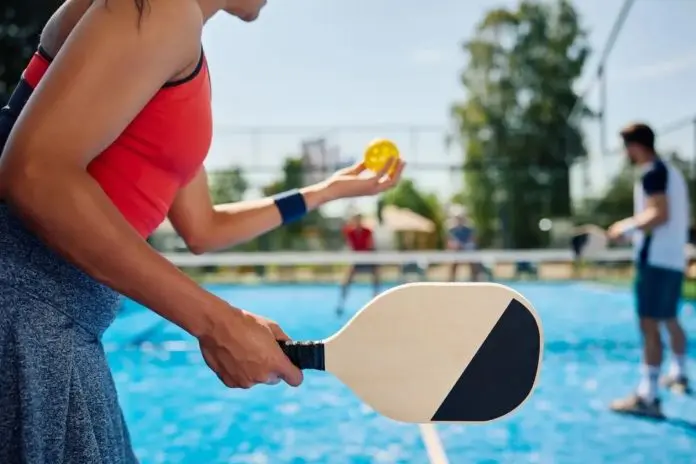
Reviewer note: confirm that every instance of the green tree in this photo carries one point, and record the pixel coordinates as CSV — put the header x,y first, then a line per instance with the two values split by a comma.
x,y
615,204
519,144
228,186
406,195
617,201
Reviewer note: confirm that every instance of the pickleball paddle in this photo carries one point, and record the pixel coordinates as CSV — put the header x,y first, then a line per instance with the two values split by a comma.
x,y
589,242
435,352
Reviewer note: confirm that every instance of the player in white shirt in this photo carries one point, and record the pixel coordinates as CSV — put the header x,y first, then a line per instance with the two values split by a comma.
x,y
659,231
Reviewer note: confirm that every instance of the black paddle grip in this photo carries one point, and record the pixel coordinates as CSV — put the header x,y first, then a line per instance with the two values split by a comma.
x,y
304,355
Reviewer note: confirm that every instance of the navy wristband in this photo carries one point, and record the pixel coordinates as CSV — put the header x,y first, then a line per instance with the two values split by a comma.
x,y
291,205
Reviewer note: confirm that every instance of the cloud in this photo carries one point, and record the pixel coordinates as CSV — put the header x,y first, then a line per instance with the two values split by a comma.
x,y
659,70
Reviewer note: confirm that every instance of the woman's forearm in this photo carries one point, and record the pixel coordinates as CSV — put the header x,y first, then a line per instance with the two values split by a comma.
x,y
236,223
69,211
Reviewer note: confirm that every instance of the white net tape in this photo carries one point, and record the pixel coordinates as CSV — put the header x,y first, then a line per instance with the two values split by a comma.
x,y
394,257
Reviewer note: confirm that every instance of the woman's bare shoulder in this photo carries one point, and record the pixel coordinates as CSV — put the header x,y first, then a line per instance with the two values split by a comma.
x,y
151,16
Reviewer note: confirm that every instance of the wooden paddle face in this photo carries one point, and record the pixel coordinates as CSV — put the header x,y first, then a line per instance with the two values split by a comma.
x,y
439,352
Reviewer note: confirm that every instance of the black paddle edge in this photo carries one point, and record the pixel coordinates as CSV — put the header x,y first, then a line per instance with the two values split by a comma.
x,y
502,373
304,355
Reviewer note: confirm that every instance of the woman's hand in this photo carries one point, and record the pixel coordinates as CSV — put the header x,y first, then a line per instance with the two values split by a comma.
x,y
243,350
352,181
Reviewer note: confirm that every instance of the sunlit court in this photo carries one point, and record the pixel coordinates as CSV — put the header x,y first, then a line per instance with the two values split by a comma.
x,y
179,413
345,232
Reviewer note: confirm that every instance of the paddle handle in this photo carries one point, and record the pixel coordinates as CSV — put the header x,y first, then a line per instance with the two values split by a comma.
x,y
304,355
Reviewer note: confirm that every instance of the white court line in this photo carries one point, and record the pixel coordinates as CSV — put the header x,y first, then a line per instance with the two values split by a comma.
x,y
433,444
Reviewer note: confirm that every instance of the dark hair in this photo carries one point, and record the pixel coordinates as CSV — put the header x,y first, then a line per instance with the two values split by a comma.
x,y
640,134
139,5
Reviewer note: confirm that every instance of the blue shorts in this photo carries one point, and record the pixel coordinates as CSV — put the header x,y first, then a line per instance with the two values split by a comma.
x,y
658,292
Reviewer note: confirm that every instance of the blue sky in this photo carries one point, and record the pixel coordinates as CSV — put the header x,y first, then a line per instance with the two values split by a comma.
x,y
343,64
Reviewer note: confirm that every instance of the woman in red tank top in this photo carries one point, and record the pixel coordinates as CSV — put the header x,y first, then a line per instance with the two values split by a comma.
x,y
107,133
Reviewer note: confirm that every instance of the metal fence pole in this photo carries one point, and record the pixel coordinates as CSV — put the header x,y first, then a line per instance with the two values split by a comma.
x,y
693,163
602,80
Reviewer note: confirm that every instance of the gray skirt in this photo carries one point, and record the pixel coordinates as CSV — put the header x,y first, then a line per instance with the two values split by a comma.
x,y
58,401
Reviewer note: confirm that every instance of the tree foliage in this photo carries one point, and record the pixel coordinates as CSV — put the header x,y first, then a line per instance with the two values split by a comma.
x,y
291,236
228,186
617,201
519,144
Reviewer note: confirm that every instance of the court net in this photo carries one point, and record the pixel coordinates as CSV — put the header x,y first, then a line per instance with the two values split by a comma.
x,y
610,266
580,317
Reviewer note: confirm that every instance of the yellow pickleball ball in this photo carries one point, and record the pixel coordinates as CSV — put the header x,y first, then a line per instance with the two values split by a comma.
x,y
378,153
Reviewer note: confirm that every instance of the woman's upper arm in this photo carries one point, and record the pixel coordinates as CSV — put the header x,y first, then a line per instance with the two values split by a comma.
x,y
192,210
105,73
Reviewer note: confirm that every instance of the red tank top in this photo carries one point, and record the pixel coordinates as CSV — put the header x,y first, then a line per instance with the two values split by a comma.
x,y
158,153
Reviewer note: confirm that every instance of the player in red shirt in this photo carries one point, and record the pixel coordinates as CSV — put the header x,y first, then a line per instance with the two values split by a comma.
x,y
104,137
359,237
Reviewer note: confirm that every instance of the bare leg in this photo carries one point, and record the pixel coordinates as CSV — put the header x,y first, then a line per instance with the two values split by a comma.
x,y
646,402
652,341
453,272
677,337
344,290
650,306
677,379
375,280
476,270
652,358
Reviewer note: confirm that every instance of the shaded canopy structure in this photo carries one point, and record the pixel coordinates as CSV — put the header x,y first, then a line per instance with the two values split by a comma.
x,y
401,220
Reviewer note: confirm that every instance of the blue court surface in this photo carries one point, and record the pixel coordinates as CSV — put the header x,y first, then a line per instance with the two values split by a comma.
x,y
178,412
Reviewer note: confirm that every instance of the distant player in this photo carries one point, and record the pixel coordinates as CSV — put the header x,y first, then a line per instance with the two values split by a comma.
x,y
360,239
462,237
659,229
